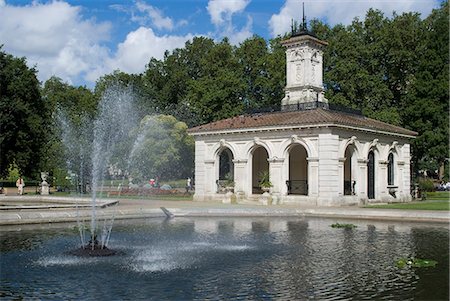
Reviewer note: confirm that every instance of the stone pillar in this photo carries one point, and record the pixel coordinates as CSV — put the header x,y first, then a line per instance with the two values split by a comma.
x,y
406,152
401,192
200,180
210,177
277,178
328,169
341,176
313,177
361,181
276,175
381,181
241,178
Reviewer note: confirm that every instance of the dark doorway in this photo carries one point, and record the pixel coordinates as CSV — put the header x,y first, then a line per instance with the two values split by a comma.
x,y
298,171
371,176
259,166
226,166
348,171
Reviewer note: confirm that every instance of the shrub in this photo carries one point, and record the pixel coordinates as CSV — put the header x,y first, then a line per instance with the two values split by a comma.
x,y
426,185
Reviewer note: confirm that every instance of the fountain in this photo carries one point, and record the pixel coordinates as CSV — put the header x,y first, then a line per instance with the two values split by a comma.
x,y
112,126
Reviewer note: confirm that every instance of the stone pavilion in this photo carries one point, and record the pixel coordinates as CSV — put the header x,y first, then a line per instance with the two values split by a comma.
x,y
314,153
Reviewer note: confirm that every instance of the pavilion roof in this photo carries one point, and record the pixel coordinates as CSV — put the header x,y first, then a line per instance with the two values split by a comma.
x,y
305,118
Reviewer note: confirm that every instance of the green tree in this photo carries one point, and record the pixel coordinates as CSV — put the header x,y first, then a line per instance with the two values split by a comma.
x,y
355,75
166,82
144,99
219,92
162,149
261,67
24,117
70,145
426,106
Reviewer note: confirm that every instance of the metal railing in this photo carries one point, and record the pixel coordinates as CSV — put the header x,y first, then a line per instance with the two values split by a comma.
x,y
299,187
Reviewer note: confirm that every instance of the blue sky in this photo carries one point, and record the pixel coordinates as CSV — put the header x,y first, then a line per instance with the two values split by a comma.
x,y
81,40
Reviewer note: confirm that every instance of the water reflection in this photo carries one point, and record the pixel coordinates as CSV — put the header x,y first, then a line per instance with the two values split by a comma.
x,y
229,258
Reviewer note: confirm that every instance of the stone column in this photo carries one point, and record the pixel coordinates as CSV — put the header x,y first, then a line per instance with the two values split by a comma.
x,y
328,169
381,181
275,174
406,183
361,181
241,178
313,176
399,175
210,177
200,179
276,177
341,176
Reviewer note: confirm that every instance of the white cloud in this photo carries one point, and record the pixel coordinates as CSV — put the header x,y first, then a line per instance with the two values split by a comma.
x,y
60,41
343,11
136,51
2,3
54,37
221,11
238,36
155,15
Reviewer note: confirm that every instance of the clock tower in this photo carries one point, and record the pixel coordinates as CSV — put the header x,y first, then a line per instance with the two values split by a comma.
x,y
304,70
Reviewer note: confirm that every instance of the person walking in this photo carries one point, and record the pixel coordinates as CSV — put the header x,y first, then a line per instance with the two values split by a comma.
x,y
20,185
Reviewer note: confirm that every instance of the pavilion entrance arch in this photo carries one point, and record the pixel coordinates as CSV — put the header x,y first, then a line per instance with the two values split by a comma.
x,y
297,182
350,168
371,175
225,168
394,170
260,164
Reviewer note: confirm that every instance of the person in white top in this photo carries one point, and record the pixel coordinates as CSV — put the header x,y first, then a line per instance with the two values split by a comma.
x,y
20,185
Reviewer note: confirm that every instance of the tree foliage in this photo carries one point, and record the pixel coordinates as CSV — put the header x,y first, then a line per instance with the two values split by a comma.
x,y
394,69
70,146
24,117
162,149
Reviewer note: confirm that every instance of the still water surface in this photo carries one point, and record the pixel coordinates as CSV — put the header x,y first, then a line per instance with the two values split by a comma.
x,y
228,258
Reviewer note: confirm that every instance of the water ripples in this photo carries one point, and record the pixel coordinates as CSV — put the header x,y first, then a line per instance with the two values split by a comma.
x,y
294,259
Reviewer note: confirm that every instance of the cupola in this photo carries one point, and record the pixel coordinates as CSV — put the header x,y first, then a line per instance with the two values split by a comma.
x,y
304,70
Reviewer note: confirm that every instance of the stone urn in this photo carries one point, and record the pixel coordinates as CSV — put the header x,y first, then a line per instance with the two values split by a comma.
x,y
228,198
265,189
265,198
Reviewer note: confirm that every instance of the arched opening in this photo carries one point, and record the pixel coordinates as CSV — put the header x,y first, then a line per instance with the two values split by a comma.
x,y
298,171
260,165
390,169
349,182
371,175
226,170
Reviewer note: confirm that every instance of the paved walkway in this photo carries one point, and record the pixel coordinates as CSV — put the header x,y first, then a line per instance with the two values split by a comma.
x,y
64,209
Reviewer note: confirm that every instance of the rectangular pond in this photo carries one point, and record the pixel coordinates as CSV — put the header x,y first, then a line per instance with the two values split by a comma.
x,y
228,258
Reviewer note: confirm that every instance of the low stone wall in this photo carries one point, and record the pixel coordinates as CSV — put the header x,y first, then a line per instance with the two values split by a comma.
x,y
26,190
144,192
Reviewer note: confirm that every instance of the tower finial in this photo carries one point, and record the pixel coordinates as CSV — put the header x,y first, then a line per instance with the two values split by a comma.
x,y
304,19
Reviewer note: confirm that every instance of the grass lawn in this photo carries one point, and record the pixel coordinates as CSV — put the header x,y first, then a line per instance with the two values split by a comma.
x,y
439,200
